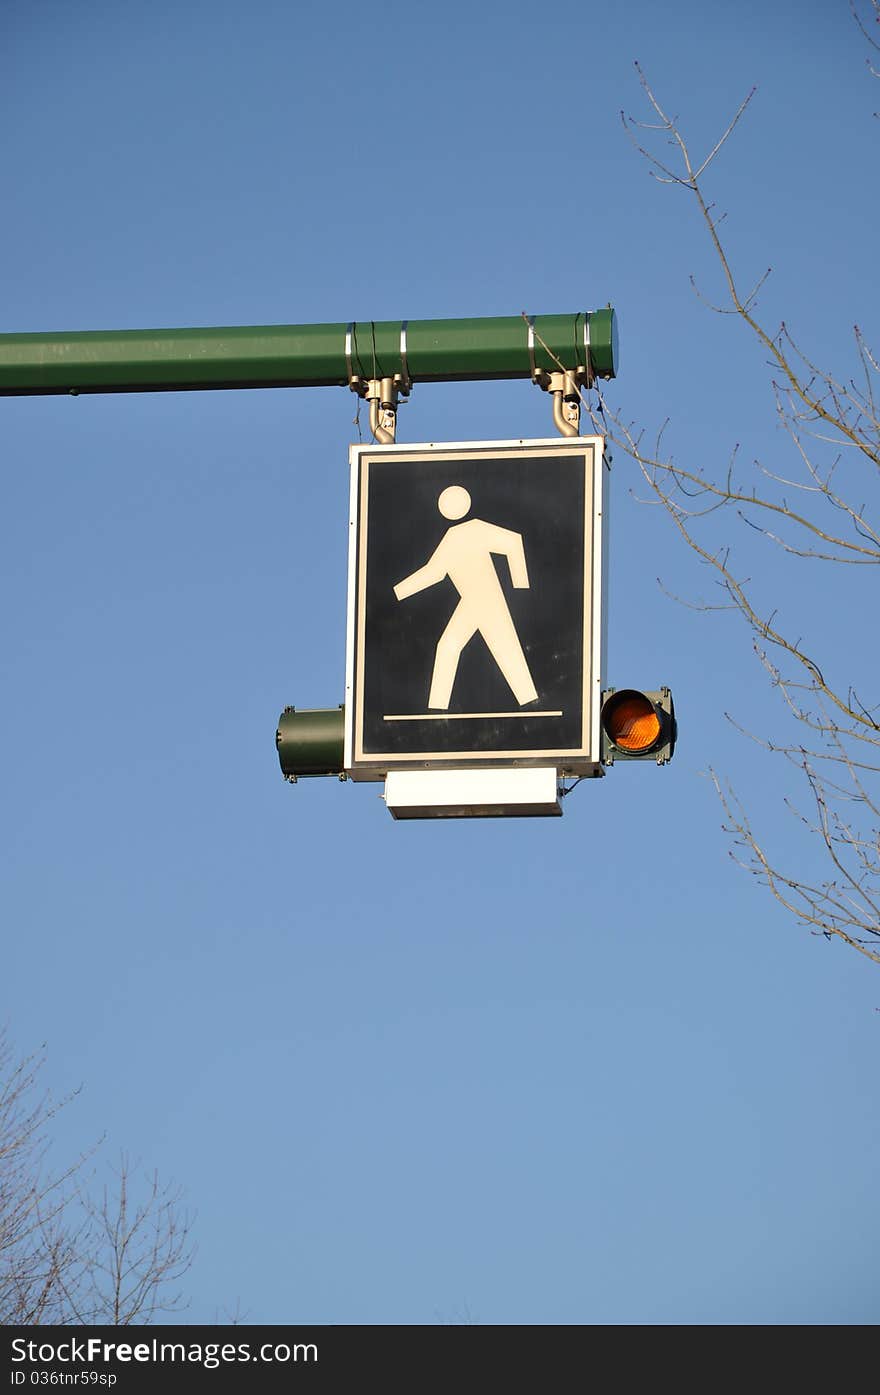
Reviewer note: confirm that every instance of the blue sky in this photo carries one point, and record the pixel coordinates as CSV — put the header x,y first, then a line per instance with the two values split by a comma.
x,y
576,1070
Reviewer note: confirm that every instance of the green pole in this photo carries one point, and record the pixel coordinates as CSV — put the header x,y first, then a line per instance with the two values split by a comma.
x,y
173,360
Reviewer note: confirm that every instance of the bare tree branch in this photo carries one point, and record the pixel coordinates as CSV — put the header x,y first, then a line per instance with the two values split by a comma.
x,y
65,1258
135,1252
832,425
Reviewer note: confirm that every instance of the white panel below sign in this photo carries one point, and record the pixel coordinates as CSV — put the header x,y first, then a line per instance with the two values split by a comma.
x,y
457,794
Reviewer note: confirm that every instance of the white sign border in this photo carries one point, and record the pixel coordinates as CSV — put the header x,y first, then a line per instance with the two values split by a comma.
x,y
583,761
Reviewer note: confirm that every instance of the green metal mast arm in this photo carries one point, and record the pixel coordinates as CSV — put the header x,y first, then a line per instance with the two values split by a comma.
x,y
173,360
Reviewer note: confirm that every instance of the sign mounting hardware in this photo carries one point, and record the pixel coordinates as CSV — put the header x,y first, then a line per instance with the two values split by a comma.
x,y
382,393
563,384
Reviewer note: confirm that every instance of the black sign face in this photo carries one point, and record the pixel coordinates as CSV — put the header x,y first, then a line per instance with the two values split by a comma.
x,y
472,633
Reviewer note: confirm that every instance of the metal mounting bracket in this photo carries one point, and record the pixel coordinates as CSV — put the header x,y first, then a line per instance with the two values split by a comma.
x,y
381,393
564,388
564,384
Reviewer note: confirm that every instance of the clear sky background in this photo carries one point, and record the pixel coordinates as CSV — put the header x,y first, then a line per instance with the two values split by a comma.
x,y
526,1071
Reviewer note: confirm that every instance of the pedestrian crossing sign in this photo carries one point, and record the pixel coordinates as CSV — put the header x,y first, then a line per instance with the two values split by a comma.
x,y
475,606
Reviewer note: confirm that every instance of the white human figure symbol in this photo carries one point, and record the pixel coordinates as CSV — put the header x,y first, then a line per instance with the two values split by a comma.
x,y
464,554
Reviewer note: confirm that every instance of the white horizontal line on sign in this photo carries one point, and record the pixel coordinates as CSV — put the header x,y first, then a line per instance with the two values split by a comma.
x,y
461,716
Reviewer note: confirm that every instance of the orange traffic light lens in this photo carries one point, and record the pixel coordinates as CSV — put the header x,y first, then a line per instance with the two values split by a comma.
x,y
632,723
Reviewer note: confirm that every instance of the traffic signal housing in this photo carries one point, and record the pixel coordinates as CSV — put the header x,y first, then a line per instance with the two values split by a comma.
x,y
310,742
637,725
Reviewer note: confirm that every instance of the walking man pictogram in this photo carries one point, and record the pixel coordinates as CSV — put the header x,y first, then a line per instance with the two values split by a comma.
x,y
464,554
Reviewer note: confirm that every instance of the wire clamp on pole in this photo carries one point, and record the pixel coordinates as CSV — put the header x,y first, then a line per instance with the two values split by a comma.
x,y
355,381
403,379
539,376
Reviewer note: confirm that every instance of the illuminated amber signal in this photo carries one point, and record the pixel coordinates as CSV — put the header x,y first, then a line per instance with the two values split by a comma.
x,y
631,721
638,725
